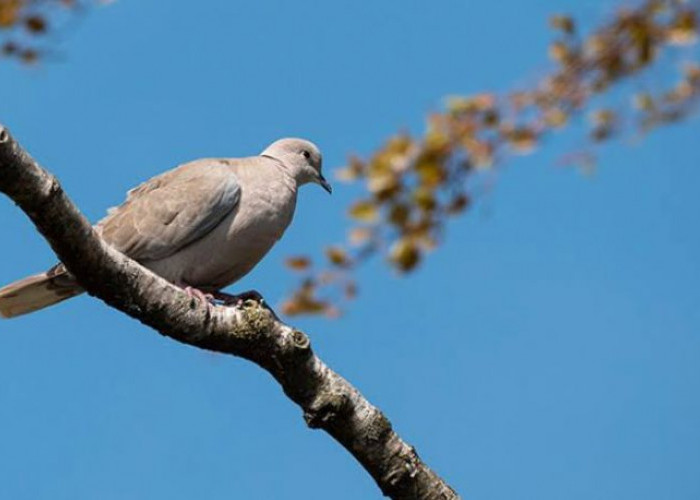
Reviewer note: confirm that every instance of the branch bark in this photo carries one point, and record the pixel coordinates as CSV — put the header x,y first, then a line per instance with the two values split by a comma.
x,y
327,400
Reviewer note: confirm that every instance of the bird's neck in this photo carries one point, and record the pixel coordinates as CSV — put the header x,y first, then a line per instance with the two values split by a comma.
x,y
293,176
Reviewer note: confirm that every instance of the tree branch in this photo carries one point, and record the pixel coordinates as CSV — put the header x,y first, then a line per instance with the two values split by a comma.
x,y
328,401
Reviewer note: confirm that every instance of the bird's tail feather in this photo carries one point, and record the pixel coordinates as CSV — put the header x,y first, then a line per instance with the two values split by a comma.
x,y
37,292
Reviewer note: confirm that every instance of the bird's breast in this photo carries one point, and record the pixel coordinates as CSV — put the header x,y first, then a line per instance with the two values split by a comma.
x,y
243,238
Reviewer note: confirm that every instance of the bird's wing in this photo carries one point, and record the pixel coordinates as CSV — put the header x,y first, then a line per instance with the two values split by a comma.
x,y
172,210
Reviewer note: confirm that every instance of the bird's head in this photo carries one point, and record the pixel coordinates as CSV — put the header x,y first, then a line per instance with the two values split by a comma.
x,y
302,158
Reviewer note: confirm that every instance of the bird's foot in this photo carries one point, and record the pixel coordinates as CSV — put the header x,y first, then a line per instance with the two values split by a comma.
x,y
195,293
239,299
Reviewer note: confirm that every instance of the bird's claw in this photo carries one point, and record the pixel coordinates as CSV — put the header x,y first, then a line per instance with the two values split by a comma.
x,y
240,300
206,298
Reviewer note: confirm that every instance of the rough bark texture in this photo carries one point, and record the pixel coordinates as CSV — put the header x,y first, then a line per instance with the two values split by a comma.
x,y
328,401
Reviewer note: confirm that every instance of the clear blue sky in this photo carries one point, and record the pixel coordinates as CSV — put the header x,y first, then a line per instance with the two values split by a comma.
x,y
549,350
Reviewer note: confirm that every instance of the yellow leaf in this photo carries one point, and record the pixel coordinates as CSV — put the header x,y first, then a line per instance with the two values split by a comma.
x,y
35,24
304,305
601,133
337,256
354,170
430,171
521,99
304,301
595,46
563,23
684,30
399,144
471,104
359,235
424,198
299,263
364,211
691,71
398,214
491,118
404,254
480,153
555,117
680,93
644,102
458,204
602,117
383,185
9,12
522,140
559,52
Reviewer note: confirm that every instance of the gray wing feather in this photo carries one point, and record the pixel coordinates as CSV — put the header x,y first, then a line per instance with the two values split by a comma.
x,y
172,210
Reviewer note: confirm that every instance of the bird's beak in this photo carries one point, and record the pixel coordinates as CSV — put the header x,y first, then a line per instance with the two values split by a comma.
x,y
324,184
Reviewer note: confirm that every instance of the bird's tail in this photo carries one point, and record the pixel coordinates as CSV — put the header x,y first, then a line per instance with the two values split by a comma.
x,y
37,292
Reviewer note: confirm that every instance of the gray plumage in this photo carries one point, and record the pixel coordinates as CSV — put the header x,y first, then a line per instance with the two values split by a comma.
x,y
204,224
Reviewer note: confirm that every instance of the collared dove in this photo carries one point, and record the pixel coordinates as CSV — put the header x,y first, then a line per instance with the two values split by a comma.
x,y
202,226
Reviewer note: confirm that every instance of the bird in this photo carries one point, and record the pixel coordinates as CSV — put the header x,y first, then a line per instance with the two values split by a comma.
x,y
202,225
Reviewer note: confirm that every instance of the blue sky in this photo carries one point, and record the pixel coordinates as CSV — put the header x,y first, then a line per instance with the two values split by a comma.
x,y
548,350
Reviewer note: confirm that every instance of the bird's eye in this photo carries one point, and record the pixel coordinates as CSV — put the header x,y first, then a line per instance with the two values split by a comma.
x,y
306,154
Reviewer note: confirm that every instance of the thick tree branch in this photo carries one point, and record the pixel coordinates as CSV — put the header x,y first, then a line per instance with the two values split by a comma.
x,y
328,401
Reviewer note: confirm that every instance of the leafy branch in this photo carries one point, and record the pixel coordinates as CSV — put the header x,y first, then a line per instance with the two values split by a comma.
x,y
414,185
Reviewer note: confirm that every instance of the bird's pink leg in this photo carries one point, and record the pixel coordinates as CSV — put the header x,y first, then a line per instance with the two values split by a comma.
x,y
206,298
